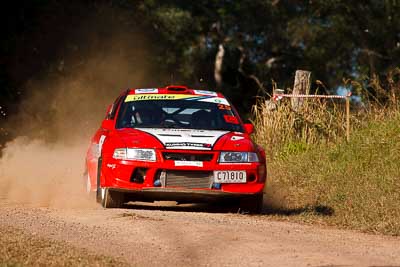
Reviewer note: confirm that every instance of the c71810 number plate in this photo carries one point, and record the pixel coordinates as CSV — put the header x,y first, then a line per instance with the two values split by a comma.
x,y
224,177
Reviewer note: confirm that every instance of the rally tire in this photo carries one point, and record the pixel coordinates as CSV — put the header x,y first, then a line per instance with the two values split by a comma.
x,y
252,204
111,199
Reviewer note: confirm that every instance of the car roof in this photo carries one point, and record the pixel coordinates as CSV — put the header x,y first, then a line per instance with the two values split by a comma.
x,y
173,89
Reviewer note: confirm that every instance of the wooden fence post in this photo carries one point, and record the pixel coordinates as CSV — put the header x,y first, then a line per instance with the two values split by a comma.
x,y
348,118
301,87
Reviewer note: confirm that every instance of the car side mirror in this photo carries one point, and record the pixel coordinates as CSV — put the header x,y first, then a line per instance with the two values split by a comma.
x,y
107,124
249,128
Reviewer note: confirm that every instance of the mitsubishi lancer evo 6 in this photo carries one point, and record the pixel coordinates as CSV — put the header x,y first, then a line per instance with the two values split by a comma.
x,y
177,144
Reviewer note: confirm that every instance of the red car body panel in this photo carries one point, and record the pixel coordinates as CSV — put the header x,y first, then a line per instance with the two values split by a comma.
x,y
114,173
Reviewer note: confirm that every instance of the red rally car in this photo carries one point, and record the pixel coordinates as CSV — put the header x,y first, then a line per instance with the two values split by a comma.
x,y
175,143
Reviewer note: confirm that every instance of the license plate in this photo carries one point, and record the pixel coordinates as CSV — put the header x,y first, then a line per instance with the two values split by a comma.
x,y
229,177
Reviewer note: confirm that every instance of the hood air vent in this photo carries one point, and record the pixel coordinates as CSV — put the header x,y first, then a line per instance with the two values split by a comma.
x,y
177,88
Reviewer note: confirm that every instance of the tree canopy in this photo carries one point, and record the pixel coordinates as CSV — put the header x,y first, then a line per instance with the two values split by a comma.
x,y
261,40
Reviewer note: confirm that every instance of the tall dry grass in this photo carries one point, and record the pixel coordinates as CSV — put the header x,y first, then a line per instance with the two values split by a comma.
x,y
282,130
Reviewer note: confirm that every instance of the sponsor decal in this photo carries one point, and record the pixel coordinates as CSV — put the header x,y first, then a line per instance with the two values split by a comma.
x,y
144,97
188,163
146,91
111,166
217,100
204,92
201,98
189,144
190,139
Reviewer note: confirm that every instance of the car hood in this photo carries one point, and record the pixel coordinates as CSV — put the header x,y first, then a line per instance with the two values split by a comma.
x,y
188,139
185,138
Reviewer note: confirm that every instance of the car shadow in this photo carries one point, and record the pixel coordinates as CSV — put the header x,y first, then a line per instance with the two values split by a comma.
x,y
319,210
176,207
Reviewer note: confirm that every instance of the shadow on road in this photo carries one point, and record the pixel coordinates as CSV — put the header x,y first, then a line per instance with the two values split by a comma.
x,y
320,210
227,208
173,206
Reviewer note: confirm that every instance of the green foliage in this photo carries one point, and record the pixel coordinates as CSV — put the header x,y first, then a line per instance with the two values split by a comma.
x,y
358,181
174,23
334,38
291,149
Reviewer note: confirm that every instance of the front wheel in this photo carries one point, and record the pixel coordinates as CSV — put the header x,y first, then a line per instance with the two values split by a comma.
x,y
111,199
252,204
107,198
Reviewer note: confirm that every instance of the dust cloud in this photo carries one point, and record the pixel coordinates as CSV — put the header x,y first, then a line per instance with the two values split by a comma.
x,y
38,173
44,164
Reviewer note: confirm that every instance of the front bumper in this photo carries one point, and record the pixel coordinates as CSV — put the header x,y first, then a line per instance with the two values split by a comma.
x,y
123,175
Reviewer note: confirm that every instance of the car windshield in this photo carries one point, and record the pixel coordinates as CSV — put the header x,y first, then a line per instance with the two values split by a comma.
x,y
190,112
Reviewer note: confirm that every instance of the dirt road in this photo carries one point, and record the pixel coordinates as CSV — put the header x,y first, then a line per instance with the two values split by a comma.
x,y
197,236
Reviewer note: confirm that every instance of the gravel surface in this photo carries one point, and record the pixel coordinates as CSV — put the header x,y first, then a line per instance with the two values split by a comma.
x,y
171,235
18,248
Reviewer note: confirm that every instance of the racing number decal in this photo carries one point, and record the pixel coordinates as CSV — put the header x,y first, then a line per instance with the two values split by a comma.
x,y
224,107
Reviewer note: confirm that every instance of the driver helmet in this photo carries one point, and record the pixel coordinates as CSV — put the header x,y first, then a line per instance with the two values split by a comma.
x,y
148,115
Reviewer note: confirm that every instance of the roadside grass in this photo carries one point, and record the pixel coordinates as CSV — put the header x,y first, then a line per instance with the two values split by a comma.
x,y
353,185
283,131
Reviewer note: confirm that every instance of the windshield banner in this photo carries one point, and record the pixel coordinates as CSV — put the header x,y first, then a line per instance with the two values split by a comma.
x,y
202,98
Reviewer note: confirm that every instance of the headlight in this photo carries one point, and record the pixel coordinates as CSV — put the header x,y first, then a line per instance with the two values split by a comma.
x,y
232,157
135,154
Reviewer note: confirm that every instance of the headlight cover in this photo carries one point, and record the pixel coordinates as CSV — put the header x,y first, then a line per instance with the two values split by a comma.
x,y
144,154
237,157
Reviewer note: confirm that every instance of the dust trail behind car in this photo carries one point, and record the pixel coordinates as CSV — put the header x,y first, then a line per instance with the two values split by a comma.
x,y
42,174
44,163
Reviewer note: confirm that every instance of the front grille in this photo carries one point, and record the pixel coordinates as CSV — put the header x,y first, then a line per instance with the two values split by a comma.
x,y
188,179
188,156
